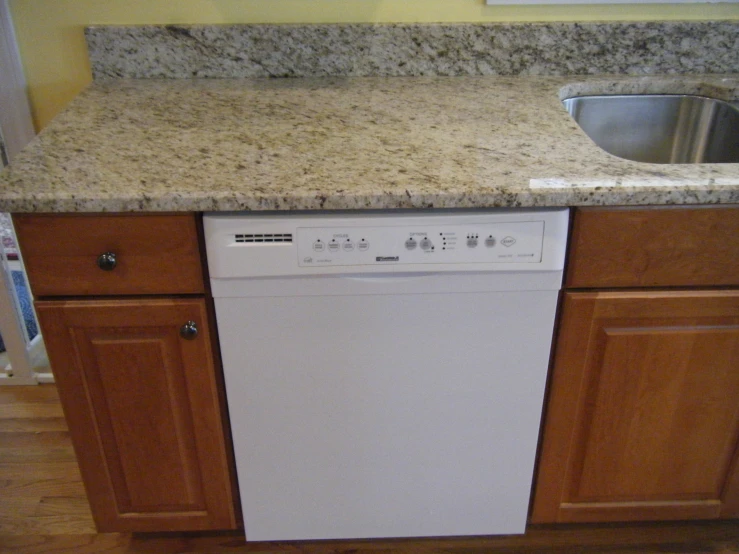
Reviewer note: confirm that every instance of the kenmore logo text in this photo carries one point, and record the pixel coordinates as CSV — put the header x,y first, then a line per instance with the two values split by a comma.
x,y
387,258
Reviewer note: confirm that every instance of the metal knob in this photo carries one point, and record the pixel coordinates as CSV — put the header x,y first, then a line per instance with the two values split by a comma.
x,y
106,261
189,330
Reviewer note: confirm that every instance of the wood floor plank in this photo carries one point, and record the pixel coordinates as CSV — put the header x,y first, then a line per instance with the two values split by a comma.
x,y
44,469
35,440
37,455
33,425
40,487
29,394
64,505
45,525
18,507
30,409
110,543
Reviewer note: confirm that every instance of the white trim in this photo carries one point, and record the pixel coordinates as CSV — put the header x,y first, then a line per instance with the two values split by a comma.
x,y
15,117
45,378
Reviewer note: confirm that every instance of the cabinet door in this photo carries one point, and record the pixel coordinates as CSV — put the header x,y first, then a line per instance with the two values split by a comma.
x,y
643,415
143,411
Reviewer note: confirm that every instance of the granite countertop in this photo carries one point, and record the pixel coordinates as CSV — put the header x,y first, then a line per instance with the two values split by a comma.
x,y
347,143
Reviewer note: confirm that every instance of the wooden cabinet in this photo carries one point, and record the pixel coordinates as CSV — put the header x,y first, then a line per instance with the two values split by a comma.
x,y
155,254
136,375
142,406
642,421
643,416
672,246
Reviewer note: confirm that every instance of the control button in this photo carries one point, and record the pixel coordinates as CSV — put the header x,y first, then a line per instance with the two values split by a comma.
x,y
318,246
348,245
471,242
363,245
490,242
411,244
508,241
426,244
333,246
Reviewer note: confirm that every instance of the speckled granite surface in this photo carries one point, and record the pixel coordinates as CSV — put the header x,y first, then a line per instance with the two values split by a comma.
x,y
346,143
246,51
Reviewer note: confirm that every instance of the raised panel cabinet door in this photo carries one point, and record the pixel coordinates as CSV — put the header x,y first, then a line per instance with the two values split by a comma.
x,y
642,421
140,395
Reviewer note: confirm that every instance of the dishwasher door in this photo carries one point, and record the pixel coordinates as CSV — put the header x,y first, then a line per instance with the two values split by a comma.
x,y
368,408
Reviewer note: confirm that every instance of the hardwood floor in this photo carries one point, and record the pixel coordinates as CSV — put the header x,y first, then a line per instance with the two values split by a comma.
x,y
43,509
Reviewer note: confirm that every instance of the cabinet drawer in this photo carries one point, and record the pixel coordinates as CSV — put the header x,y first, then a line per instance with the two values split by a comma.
x,y
649,247
154,254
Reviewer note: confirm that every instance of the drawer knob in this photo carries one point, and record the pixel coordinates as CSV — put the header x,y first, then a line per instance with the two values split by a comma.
x,y
189,330
106,261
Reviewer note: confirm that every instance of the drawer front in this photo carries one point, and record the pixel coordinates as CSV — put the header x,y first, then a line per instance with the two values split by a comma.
x,y
154,254
654,247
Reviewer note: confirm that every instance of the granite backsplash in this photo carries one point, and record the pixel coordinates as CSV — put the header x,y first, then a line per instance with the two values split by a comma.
x,y
317,50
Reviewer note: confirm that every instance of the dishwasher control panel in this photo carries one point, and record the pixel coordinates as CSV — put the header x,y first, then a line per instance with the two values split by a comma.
x,y
500,242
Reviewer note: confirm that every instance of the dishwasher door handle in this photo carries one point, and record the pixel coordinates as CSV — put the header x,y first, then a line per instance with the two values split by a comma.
x,y
389,277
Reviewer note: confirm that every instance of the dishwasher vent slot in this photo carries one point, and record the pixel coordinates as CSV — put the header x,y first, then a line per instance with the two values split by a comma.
x,y
264,237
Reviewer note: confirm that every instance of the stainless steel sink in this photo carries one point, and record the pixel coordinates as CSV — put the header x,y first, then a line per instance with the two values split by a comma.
x,y
660,129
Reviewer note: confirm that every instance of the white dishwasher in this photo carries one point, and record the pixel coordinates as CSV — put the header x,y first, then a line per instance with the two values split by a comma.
x,y
385,373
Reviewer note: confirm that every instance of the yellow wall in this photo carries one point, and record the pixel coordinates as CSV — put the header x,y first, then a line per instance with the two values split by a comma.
x,y
50,32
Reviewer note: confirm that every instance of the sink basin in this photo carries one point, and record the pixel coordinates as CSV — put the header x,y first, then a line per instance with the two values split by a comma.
x,y
662,129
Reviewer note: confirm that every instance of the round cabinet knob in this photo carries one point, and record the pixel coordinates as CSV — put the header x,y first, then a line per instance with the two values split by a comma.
x,y
106,261
189,330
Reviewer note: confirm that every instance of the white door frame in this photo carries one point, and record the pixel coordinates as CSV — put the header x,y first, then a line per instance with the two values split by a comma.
x,y
16,130
15,117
